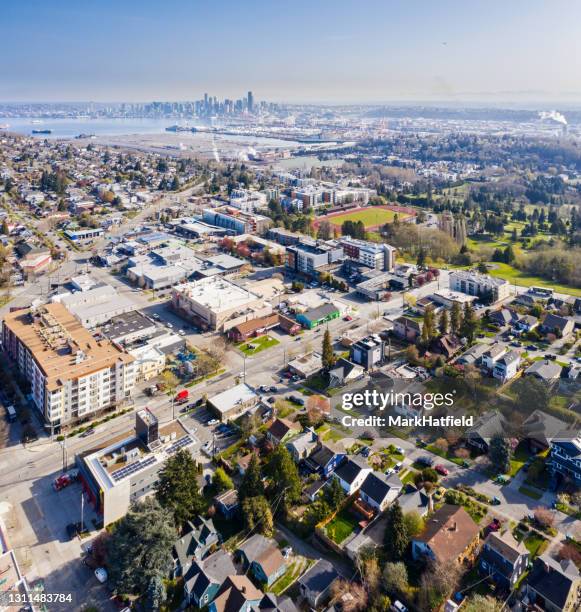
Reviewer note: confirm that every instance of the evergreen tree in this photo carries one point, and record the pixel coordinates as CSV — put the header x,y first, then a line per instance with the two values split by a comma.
x,y
258,515
499,454
155,595
396,536
429,325
334,494
328,356
444,322
139,548
421,260
469,323
252,481
177,488
175,184
284,476
455,318
221,480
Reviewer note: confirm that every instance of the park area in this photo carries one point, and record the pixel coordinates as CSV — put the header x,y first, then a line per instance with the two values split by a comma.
x,y
256,345
372,217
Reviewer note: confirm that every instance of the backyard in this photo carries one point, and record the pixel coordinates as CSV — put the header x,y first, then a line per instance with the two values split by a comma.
x,y
341,526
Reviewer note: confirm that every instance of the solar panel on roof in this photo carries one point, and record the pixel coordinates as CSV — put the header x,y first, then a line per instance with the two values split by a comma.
x,y
118,475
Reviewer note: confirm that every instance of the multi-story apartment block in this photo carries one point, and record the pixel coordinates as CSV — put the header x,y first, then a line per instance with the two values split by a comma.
x,y
371,254
480,285
236,220
311,257
125,471
72,375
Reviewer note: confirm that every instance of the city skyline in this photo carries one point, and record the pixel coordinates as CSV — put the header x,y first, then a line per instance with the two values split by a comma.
x,y
341,52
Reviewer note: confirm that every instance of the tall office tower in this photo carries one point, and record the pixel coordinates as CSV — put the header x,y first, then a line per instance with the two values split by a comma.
x,y
206,102
250,102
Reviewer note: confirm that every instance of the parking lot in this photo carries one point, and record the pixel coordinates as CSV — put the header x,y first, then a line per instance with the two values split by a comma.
x,y
210,432
37,517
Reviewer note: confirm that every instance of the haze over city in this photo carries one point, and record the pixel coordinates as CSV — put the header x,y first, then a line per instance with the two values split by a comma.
x,y
326,51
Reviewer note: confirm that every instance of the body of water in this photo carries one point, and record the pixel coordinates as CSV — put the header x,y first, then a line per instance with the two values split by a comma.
x,y
70,128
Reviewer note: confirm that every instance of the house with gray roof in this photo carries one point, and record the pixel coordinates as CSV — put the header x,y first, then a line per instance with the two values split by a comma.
x,y
486,427
562,327
379,490
204,578
414,500
552,585
197,541
315,584
545,370
503,559
262,557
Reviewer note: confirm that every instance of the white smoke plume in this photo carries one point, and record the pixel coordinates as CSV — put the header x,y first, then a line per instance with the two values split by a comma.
x,y
554,115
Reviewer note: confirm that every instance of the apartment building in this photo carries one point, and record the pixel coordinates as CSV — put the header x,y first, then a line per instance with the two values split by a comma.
x,y
236,220
72,375
370,254
480,285
127,469
310,257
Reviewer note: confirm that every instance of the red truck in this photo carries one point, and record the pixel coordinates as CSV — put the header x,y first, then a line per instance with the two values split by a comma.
x,y
64,480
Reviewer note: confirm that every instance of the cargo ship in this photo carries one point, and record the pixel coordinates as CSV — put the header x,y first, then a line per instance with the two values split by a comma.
x,y
42,131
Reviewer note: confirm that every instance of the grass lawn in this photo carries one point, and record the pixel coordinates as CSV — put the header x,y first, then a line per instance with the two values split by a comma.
x,y
328,433
518,460
251,347
511,274
446,455
535,544
284,408
371,217
342,526
408,477
530,493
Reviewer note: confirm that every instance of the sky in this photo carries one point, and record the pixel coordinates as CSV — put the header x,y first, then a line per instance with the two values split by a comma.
x,y
335,51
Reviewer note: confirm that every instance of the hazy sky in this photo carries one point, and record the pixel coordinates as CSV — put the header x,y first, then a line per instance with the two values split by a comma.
x,y
304,50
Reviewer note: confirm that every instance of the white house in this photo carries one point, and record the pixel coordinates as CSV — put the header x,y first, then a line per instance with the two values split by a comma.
x,y
379,491
507,366
352,474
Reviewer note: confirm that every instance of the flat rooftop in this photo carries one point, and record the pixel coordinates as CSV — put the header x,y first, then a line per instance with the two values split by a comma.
x,y
125,324
217,294
232,397
61,346
127,454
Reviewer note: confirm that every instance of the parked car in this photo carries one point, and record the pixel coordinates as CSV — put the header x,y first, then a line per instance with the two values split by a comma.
x,y
88,432
425,460
397,606
272,389
101,575
440,491
531,347
213,422
496,501
441,470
